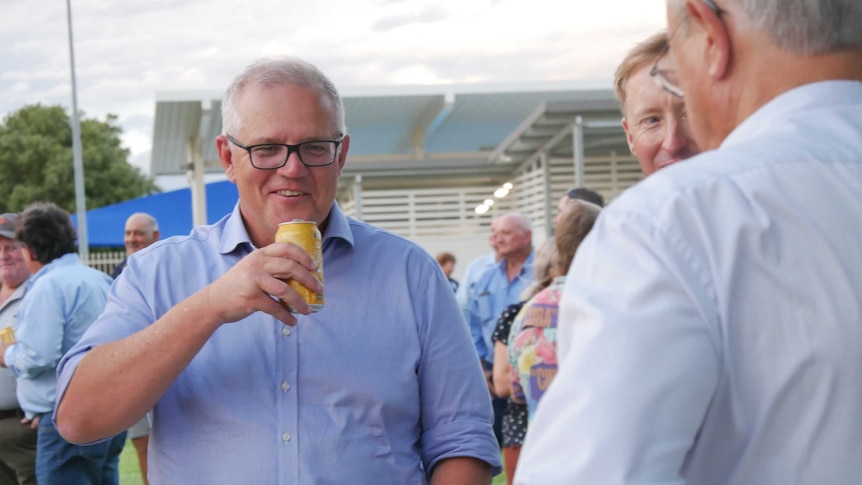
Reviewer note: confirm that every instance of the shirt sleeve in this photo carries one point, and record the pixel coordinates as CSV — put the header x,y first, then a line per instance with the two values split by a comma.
x,y
640,364
479,307
40,334
457,417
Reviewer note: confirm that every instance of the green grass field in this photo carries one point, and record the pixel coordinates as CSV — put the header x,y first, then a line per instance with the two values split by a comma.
x,y
130,473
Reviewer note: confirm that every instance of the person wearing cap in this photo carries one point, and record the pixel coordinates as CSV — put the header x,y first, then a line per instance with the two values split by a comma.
x,y
62,299
17,438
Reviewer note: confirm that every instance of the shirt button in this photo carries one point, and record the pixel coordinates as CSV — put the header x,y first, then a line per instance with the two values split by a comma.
x,y
285,331
285,437
285,386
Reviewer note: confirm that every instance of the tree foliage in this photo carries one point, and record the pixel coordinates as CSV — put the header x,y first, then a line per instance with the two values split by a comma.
x,y
36,161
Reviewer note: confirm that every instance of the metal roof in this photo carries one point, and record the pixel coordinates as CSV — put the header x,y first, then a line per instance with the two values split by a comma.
x,y
424,135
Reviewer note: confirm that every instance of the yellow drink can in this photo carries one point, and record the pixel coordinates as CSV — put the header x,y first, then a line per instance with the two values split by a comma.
x,y
305,235
7,335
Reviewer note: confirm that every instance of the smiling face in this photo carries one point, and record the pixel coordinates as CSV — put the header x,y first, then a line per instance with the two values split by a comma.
x,y
656,123
13,266
291,114
138,234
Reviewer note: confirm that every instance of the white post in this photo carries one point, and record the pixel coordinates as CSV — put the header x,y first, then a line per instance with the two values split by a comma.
x,y
77,159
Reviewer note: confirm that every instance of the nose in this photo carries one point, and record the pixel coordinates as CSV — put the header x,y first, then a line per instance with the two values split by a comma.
x,y
294,167
675,136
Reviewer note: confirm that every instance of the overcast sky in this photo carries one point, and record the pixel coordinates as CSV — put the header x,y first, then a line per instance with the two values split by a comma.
x,y
126,51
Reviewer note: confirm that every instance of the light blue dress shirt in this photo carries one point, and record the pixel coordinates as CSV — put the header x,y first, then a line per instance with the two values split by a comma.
x,y
377,387
471,275
489,297
713,320
61,301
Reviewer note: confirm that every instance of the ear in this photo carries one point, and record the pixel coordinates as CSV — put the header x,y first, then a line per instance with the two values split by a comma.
x,y
716,50
629,137
226,157
156,235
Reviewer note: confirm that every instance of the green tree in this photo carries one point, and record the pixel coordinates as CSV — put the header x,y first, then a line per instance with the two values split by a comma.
x,y
36,161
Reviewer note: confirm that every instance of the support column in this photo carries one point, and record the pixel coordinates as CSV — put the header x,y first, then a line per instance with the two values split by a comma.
x,y
357,196
197,186
578,150
544,159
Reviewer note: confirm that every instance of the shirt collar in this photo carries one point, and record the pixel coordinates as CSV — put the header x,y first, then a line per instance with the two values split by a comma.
x,y
235,233
67,259
815,95
338,227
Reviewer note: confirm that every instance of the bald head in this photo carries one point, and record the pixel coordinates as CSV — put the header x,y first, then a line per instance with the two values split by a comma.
x,y
141,231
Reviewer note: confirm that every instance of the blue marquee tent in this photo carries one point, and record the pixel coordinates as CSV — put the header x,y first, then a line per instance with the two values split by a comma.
x,y
173,211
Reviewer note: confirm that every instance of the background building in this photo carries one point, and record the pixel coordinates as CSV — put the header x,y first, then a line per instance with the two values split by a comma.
x,y
423,158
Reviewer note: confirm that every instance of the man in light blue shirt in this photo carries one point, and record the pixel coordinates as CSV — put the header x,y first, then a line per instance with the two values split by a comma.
x,y
499,287
62,299
379,386
502,284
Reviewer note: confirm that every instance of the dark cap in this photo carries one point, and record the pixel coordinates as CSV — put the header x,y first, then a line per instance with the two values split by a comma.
x,y
8,224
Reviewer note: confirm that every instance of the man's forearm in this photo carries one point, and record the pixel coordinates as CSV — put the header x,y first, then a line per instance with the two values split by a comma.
x,y
461,471
116,383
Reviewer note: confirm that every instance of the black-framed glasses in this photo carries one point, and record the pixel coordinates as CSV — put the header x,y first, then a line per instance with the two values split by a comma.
x,y
666,78
270,156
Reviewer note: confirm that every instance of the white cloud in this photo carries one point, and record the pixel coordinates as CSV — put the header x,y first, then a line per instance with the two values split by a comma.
x,y
127,51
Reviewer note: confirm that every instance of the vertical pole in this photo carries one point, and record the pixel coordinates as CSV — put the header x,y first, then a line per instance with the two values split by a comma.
x,y
546,180
578,150
357,196
197,186
78,163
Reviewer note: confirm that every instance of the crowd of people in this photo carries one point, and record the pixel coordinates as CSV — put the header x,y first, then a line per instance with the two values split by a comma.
x,y
704,327
49,299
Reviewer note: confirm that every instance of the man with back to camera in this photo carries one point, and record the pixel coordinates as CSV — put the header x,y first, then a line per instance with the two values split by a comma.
x,y
17,437
62,299
380,384
140,231
715,326
655,121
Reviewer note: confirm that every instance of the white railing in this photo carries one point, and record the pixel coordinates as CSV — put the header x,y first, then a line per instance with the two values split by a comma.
x,y
105,261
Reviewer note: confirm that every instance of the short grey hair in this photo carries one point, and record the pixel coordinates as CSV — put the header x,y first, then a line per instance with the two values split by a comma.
x,y
806,27
152,223
274,71
523,221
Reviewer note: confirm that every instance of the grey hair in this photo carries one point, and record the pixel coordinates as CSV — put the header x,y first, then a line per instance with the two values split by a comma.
x,y
523,221
276,71
152,223
806,27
